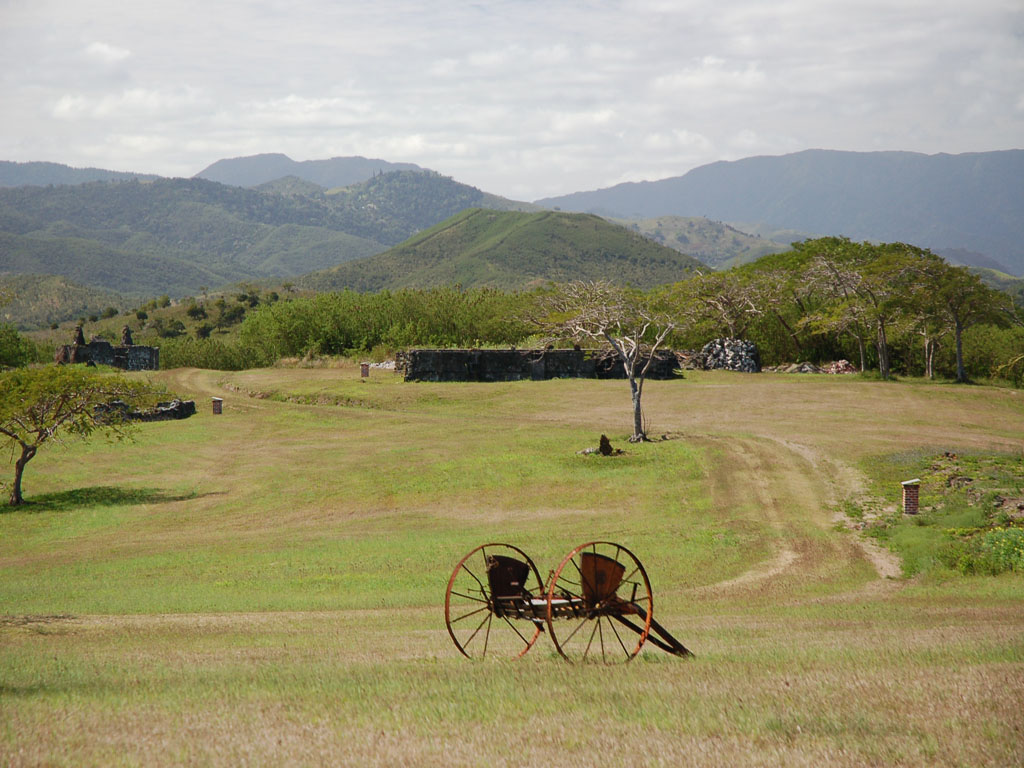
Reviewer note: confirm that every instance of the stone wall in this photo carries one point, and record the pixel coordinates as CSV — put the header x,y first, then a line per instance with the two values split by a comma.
x,y
169,411
519,364
99,352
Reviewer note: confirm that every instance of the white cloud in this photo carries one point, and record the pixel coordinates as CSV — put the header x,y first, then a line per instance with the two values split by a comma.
x,y
108,54
519,98
133,103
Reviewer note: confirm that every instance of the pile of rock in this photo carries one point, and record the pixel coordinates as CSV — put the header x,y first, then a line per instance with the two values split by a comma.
x,y
838,367
795,368
731,355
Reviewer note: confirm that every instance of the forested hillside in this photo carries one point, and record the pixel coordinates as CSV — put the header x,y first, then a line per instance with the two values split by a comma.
x,y
511,250
36,301
711,242
175,235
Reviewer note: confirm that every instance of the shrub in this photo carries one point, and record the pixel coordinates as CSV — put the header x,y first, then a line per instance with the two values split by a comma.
x,y
1003,549
997,551
186,352
15,349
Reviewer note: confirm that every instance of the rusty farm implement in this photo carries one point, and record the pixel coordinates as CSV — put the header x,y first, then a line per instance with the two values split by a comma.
x,y
597,604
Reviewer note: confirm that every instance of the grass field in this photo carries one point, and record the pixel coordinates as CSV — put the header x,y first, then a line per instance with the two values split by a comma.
x,y
266,586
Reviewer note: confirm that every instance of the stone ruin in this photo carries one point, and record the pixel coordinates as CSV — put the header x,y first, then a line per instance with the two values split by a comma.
x,y
730,355
127,356
169,411
520,364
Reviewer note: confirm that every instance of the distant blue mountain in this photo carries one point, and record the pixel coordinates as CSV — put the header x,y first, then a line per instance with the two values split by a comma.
x,y
46,174
973,202
255,170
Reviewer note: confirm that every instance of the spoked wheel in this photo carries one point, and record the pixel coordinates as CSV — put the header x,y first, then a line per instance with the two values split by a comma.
x,y
599,604
495,602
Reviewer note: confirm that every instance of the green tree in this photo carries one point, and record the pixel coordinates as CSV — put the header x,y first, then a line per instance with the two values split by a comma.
x,y
961,300
15,349
41,405
872,289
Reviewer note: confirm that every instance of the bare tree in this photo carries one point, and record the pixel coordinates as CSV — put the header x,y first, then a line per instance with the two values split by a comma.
x,y
620,318
729,300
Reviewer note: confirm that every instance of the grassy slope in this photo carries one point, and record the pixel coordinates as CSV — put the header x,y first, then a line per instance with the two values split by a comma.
x,y
511,250
266,586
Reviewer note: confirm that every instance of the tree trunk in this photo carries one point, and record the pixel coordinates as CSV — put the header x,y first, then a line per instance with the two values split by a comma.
x,y
961,373
863,353
883,353
929,358
792,334
639,435
27,452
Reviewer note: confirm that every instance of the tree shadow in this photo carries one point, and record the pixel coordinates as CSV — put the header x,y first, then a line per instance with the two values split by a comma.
x,y
101,496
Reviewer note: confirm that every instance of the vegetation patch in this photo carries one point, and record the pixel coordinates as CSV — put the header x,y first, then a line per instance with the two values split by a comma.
x,y
971,518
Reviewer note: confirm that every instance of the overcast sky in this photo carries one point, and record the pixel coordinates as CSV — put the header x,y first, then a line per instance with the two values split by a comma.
x,y
520,98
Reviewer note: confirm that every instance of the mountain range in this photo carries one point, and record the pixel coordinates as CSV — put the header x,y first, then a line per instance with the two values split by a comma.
x,y
370,224
973,202
255,170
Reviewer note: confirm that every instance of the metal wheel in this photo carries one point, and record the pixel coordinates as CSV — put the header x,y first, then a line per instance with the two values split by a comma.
x,y
599,604
495,604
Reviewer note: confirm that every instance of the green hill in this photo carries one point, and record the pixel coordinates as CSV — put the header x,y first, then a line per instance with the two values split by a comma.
x,y
403,203
175,235
1002,282
39,300
716,244
510,250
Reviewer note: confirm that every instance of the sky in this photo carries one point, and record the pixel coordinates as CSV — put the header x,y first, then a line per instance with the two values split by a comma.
x,y
521,98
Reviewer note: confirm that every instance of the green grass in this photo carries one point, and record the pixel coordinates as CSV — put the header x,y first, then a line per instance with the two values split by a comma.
x,y
266,586
968,504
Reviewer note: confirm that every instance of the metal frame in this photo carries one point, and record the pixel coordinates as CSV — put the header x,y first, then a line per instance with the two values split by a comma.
x,y
598,592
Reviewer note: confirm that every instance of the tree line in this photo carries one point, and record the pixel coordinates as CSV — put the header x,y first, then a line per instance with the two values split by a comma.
x,y
892,307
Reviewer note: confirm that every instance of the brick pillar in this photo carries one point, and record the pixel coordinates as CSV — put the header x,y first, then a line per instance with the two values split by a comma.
x,y
911,489
218,405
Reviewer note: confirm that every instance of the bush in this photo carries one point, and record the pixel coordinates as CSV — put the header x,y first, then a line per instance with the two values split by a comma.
x,y
997,551
347,322
1003,549
186,352
15,349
